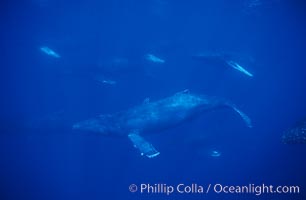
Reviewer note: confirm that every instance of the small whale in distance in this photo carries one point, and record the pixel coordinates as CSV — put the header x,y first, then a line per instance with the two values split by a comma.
x,y
49,52
104,81
155,59
215,153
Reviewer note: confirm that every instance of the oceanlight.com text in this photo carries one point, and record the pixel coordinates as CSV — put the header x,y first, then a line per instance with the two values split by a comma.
x,y
256,189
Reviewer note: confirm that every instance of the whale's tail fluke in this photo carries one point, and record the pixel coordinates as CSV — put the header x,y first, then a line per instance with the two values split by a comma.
x,y
244,116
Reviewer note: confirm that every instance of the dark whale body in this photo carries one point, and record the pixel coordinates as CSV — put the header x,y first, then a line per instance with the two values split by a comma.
x,y
153,117
296,134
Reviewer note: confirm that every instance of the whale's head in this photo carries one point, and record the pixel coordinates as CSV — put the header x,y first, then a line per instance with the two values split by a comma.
x,y
103,124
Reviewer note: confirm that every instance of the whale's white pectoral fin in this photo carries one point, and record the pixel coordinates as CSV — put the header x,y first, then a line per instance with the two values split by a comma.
x,y
239,68
245,118
143,146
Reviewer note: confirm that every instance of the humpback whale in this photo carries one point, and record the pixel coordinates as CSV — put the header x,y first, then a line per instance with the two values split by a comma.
x,y
153,58
49,52
152,117
296,134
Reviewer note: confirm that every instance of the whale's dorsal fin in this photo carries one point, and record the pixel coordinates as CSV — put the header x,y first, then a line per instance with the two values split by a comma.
x,y
186,91
145,148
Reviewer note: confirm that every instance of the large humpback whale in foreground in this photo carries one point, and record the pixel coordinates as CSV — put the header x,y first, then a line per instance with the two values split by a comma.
x,y
152,117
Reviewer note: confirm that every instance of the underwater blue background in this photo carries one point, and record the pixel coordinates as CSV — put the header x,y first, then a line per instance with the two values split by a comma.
x,y
43,96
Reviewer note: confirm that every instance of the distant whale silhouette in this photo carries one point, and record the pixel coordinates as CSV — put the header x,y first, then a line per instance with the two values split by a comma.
x,y
296,134
151,117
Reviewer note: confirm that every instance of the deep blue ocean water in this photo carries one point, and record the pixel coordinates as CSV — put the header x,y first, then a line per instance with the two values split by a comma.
x,y
98,63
